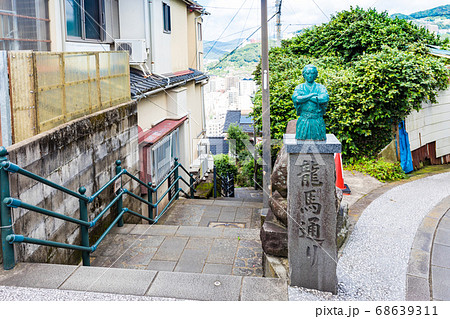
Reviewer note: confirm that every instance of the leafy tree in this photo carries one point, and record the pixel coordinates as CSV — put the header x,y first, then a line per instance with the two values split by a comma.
x,y
224,165
238,148
351,33
369,92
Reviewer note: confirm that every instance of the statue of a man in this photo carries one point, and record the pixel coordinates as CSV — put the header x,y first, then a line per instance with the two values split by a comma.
x,y
310,101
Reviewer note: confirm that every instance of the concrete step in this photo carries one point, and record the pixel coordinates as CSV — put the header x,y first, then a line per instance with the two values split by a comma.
x,y
192,249
185,286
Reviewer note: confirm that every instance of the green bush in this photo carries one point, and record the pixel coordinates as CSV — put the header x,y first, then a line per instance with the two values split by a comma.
x,y
372,87
224,165
380,169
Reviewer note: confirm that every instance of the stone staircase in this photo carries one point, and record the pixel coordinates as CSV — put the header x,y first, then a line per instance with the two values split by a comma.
x,y
199,250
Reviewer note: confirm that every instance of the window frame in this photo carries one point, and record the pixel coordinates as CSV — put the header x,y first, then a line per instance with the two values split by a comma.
x,y
167,21
199,31
101,21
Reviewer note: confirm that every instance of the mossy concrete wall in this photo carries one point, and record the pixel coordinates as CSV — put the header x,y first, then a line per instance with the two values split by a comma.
x,y
79,153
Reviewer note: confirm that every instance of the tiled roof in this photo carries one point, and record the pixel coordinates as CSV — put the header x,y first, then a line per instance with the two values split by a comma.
x,y
234,117
139,84
218,145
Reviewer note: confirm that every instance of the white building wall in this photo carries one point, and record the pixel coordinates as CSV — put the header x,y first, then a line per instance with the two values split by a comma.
x,y
161,41
431,123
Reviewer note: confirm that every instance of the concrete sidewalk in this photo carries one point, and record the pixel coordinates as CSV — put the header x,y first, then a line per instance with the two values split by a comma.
x,y
428,276
54,281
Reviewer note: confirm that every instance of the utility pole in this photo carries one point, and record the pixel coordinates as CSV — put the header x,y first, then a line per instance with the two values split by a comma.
x,y
278,23
267,161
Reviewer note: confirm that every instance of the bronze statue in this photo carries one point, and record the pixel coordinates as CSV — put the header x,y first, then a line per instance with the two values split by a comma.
x,y
310,100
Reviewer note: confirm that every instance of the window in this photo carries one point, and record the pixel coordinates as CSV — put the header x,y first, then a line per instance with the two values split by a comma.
x,y
83,19
199,32
163,156
166,18
24,25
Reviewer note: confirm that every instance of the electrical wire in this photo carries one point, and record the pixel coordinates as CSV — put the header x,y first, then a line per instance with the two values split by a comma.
x,y
225,29
237,47
321,10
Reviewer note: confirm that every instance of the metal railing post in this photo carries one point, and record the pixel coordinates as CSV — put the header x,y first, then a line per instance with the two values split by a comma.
x,y
150,200
191,182
120,201
215,181
8,249
84,229
176,176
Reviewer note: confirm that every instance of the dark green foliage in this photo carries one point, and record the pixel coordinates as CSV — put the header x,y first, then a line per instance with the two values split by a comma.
x,y
351,33
238,148
369,92
380,169
224,165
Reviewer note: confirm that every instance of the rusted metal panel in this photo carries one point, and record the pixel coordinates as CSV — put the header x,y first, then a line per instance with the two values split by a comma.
x,y
22,95
428,153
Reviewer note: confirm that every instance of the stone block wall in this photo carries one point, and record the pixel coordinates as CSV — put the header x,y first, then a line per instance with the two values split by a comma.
x,y
79,153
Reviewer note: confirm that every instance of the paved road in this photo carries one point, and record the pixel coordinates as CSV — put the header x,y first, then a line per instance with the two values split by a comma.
x,y
374,262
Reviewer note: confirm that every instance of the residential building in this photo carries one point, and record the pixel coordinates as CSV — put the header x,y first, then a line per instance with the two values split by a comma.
x,y
244,121
164,41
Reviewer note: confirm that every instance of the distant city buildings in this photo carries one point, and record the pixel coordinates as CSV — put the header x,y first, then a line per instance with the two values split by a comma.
x,y
223,94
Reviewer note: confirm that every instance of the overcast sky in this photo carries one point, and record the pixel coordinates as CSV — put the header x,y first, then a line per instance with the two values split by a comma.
x,y
295,13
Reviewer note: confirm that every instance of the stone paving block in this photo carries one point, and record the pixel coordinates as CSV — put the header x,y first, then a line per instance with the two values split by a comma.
x,y
141,229
264,289
441,284
206,202
423,240
241,233
196,286
171,249
442,236
110,280
142,257
233,203
161,265
194,231
419,263
36,275
221,269
163,230
102,261
441,256
226,217
192,260
417,289
223,251
229,209
445,222
125,229
147,241
199,243
204,222
252,204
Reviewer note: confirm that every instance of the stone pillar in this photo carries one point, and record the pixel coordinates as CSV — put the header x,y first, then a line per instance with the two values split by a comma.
x,y
312,212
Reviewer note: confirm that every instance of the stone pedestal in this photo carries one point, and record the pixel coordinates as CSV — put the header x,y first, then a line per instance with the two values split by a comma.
x,y
312,212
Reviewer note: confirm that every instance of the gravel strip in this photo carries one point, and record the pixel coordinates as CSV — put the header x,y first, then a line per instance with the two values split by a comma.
x,y
374,262
38,294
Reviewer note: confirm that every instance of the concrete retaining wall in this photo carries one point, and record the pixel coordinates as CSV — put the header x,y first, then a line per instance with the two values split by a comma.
x,y
80,153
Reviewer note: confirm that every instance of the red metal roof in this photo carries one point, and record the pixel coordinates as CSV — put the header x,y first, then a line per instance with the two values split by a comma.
x,y
160,130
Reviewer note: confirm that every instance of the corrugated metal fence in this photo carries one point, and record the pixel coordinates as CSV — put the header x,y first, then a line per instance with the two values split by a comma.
x,y
52,88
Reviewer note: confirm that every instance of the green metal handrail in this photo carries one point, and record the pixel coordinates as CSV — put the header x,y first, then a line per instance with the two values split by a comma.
x,y
7,202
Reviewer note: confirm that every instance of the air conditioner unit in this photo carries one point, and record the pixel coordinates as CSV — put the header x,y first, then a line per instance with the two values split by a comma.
x,y
136,49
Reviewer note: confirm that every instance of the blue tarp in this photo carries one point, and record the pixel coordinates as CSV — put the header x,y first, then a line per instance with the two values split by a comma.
x,y
405,150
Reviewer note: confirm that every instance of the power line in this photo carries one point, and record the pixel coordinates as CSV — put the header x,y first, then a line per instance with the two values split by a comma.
x,y
321,10
237,47
225,29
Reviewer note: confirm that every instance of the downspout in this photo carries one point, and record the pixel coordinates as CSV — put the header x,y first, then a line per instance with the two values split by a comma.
x,y
151,35
147,31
